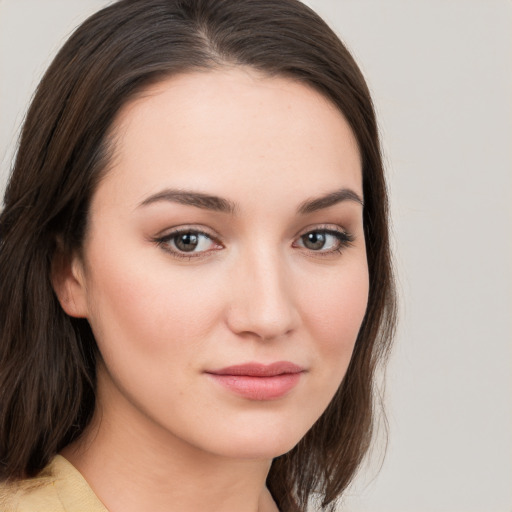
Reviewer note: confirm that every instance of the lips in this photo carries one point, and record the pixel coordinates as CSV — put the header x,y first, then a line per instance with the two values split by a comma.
x,y
256,381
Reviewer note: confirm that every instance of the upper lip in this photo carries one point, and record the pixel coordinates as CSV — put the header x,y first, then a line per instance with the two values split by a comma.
x,y
259,369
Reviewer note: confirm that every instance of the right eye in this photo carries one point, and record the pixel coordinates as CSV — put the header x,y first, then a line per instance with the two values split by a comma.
x,y
188,243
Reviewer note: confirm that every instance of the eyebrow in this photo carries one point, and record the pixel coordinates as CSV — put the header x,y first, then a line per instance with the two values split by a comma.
x,y
219,204
330,199
191,198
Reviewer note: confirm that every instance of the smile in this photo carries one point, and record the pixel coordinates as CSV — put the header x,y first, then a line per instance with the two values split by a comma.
x,y
257,381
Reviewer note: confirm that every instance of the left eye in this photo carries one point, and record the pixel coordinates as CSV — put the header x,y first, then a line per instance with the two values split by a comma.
x,y
325,240
187,242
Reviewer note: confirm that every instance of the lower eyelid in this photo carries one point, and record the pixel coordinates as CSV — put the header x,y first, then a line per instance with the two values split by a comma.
x,y
167,242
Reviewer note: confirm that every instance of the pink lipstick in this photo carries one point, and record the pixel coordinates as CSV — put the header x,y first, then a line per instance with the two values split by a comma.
x,y
257,381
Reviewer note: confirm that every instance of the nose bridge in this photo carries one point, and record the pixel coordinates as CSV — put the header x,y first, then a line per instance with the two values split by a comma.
x,y
262,299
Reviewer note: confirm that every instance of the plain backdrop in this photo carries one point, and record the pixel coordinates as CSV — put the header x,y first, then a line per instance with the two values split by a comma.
x,y
441,76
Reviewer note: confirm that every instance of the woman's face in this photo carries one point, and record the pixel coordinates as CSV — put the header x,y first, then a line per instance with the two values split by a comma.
x,y
224,270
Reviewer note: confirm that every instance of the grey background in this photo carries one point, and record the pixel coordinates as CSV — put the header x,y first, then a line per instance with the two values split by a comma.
x,y
441,78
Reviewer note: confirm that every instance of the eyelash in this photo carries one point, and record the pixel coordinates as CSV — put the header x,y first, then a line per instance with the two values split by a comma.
x,y
344,239
165,241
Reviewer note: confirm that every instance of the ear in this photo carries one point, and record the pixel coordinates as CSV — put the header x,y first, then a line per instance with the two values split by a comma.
x,y
67,276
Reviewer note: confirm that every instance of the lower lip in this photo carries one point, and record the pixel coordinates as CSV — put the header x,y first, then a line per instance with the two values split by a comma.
x,y
259,388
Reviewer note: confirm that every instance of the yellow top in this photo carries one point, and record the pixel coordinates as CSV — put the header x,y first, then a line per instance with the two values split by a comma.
x,y
58,488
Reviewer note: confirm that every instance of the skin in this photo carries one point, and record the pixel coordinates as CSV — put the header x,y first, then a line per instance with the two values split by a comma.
x,y
166,436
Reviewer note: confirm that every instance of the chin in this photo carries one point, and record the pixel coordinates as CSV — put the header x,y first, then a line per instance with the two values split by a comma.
x,y
262,450
256,442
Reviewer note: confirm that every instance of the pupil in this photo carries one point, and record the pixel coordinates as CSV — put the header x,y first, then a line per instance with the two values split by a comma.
x,y
187,242
314,240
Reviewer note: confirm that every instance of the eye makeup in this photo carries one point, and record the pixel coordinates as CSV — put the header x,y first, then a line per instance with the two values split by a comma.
x,y
182,243
191,242
320,237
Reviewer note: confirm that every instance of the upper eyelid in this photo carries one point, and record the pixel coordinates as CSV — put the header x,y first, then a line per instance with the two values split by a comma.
x,y
329,228
345,236
165,239
212,233
324,227
169,232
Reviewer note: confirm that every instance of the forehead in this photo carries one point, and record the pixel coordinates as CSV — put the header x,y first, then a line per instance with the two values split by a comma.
x,y
232,129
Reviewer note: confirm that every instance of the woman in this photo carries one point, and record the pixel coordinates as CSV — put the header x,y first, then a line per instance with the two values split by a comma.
x,y
196,282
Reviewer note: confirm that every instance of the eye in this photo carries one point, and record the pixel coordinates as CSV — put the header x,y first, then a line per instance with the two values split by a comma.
x,y
325,241
188,243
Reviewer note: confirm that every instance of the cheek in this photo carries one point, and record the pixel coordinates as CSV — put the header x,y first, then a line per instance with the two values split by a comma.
x,y
150,310
335,313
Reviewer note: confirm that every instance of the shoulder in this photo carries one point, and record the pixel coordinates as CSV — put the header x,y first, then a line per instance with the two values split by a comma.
x,y
32,495
59,487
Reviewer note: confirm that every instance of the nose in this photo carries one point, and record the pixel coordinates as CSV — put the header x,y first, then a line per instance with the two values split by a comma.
x,y
262,302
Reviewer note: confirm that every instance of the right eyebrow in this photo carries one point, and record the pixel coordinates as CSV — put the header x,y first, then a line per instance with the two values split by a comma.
x,y
197,199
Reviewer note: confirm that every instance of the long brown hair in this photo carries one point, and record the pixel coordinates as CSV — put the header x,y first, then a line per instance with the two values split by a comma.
x,y
48,359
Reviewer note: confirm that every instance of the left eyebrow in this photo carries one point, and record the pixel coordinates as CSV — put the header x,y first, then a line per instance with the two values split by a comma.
x,y
330,199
